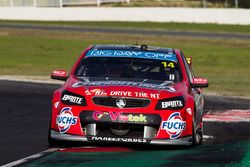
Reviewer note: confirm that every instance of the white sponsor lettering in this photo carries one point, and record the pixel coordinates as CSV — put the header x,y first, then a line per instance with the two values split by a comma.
x,y
100,92
174,126
124,83
128,140
120,93
129,54
176,103
72,99
155,96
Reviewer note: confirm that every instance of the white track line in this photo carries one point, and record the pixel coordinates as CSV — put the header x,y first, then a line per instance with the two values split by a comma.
x,y
31,79
21,161
208,137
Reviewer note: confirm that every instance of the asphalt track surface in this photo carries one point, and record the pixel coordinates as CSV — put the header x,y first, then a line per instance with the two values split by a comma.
x,y
25,116
127,31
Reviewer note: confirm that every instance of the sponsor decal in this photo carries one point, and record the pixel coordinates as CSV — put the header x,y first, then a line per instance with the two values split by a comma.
x,y
174,125
123,83
95,92
135,94
56,104
100,92
200,80
60,73
121,93
132,54
69,98
119,117
189,111
65,119
98,115
171,77
112,139
168,64
172,104
72,99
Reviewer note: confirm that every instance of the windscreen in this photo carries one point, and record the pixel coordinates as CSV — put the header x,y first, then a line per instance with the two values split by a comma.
x,y
129,68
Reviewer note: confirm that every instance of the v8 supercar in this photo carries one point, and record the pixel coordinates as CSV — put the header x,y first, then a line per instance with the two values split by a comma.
x,y
128,94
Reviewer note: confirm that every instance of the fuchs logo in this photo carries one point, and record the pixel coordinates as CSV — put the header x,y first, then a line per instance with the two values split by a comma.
x,y
174,125
65,120
120,103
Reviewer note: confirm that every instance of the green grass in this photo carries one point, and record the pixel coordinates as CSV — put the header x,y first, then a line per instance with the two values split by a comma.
x,y
241,29
33,52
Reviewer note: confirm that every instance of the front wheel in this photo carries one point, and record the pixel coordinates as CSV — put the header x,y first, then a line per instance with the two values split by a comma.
x,y
51,141
197,136
55,143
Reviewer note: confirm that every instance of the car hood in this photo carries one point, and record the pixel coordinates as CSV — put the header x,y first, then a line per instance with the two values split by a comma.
x,y
121,88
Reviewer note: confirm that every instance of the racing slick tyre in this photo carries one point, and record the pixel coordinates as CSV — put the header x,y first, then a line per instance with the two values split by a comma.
x,y
197,136
51,141
56,143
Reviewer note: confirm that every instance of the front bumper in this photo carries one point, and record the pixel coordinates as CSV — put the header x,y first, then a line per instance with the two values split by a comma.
x,y
185,141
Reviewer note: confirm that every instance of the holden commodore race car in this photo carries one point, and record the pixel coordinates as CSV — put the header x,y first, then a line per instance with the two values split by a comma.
x,y
128,94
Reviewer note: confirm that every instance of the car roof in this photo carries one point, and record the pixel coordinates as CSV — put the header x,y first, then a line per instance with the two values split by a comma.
x,y
134,48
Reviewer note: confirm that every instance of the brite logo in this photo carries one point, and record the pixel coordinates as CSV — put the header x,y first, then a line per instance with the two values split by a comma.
x,y
65,120
174,125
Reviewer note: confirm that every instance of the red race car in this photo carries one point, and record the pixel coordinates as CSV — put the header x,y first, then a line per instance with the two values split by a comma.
x,y
128,94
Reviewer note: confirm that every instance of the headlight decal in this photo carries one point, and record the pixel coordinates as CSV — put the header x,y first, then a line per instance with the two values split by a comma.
x,y
174,103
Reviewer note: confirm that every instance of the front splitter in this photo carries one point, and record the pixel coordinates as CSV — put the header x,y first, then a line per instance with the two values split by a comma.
x,y
67,137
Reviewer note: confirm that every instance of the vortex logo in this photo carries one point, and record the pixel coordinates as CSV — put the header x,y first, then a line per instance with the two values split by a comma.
x,y
65,120
174,125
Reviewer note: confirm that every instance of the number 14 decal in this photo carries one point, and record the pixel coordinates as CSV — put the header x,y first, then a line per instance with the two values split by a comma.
x,y
166,64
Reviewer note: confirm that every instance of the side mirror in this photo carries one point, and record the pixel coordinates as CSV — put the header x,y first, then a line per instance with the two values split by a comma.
x,y
59,75
199,83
